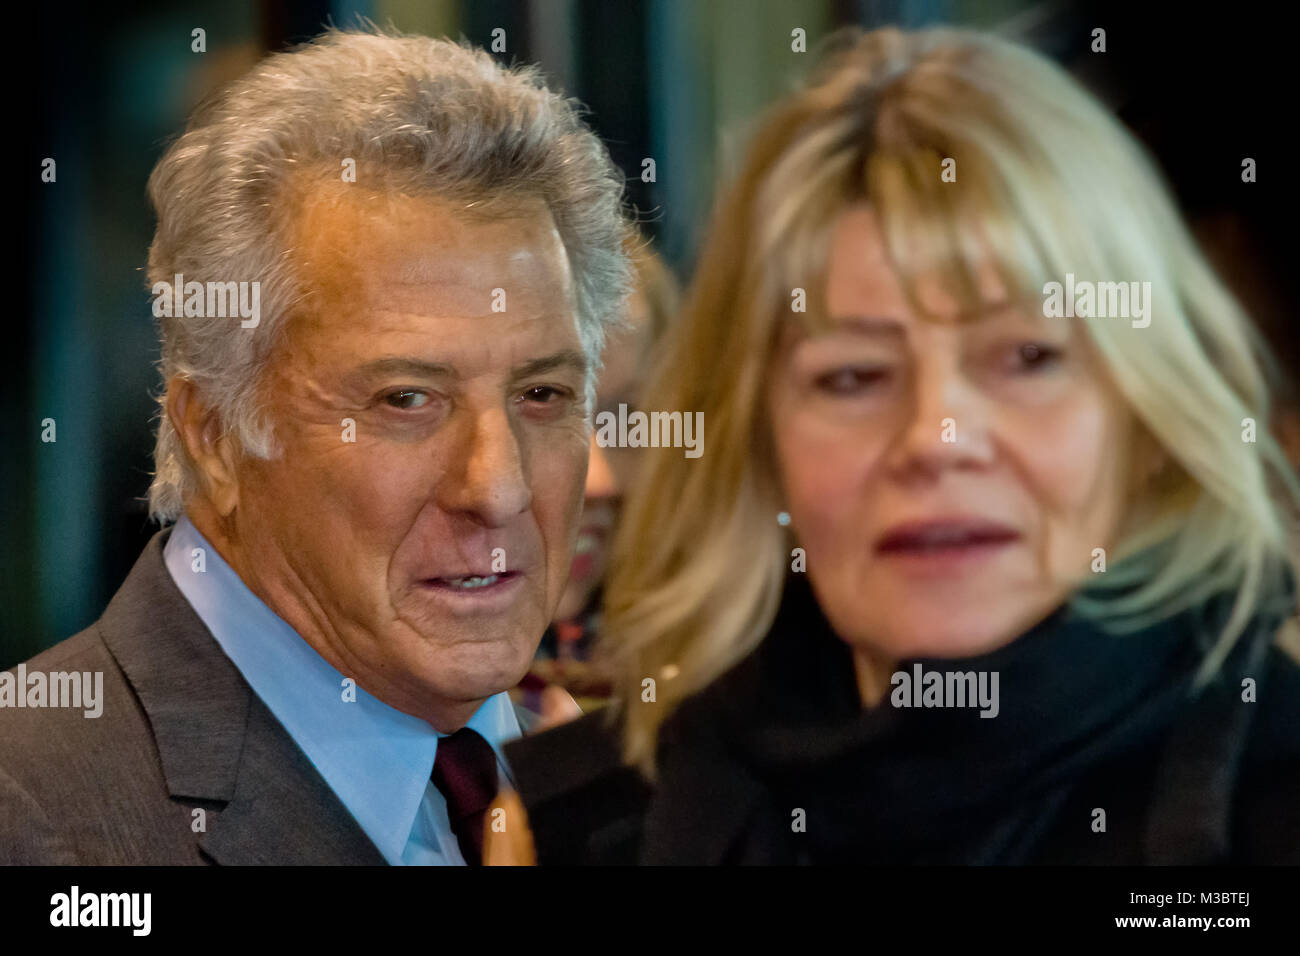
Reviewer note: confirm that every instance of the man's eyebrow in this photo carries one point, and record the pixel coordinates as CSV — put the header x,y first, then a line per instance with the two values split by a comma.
x,y
418,368
414,368
567,359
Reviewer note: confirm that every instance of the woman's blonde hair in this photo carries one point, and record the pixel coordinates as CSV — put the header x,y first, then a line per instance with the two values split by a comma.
x,y
1047,183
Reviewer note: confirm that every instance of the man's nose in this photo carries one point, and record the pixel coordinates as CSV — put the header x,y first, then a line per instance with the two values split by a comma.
x,y
491,486
948,423
601,481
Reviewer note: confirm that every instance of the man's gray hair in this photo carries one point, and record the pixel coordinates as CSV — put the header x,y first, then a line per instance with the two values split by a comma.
x,y
416,114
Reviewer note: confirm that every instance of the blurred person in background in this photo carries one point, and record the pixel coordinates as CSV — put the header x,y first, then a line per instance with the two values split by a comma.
x,y
1079,525
564,657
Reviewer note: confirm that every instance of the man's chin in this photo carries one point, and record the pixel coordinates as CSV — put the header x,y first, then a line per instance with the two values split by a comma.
x,y
447,701
481,684
458,660
478,669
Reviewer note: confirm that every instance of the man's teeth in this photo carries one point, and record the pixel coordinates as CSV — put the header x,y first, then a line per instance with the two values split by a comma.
x,y
473,581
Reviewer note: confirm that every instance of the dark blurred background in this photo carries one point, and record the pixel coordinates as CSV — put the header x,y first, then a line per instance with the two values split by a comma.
x,y
103,90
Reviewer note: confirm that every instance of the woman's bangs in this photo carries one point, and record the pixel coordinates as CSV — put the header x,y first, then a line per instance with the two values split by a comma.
x,y
952,232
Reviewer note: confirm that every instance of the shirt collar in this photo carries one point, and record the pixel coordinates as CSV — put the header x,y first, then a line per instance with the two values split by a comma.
x,y
375,758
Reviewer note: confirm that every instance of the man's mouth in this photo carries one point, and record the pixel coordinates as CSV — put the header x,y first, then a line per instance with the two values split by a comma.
x,y
471,582
476,593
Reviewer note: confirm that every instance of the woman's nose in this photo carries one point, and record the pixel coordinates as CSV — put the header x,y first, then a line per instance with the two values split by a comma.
x,y
948,422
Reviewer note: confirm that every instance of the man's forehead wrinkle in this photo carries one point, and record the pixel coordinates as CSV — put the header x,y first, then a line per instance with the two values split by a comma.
x,y
437,310
429,269
421,242
427,274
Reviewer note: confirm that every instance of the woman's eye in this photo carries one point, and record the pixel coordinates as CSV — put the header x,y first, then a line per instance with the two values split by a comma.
x,y
1034,357
407,398
850,381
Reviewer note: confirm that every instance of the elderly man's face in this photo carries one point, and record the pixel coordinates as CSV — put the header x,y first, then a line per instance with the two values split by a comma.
x,y
428,399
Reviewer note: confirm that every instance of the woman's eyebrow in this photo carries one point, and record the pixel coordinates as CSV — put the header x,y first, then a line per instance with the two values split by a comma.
x,y
865,325
994,310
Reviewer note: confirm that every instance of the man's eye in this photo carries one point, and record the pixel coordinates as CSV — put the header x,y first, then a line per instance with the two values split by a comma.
x,y
407,398
850,381
544,394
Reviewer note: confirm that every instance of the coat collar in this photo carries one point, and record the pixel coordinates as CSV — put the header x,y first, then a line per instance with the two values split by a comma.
x,y
216,740
786,729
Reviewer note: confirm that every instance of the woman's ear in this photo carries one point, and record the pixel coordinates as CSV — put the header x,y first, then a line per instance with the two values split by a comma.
x,y
1149,459
1156,459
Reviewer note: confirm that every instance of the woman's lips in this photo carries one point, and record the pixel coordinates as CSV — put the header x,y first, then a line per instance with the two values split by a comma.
x,y
944,543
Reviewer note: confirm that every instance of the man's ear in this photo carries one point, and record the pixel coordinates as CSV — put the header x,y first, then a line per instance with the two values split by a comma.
x,y
213,452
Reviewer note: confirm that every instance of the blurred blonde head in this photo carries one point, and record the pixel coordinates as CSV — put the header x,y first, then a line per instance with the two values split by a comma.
x,y
629,348
1047,184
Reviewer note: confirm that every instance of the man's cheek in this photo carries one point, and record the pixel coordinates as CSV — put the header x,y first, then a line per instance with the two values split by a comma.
x,y
561,472
376,479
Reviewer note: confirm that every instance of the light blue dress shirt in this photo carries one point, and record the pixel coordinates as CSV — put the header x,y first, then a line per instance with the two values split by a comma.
x,y
376,759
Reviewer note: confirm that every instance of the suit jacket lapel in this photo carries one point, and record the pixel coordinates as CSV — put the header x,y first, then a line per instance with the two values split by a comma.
x,y
282,811
216,739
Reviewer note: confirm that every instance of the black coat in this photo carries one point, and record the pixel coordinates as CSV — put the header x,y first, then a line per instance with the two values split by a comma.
x,y
776,762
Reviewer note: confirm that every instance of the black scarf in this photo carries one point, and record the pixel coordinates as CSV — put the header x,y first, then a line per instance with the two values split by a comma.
x,y
898,785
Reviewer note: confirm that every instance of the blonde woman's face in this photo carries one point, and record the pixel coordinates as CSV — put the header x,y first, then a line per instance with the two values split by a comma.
x,y
949,480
